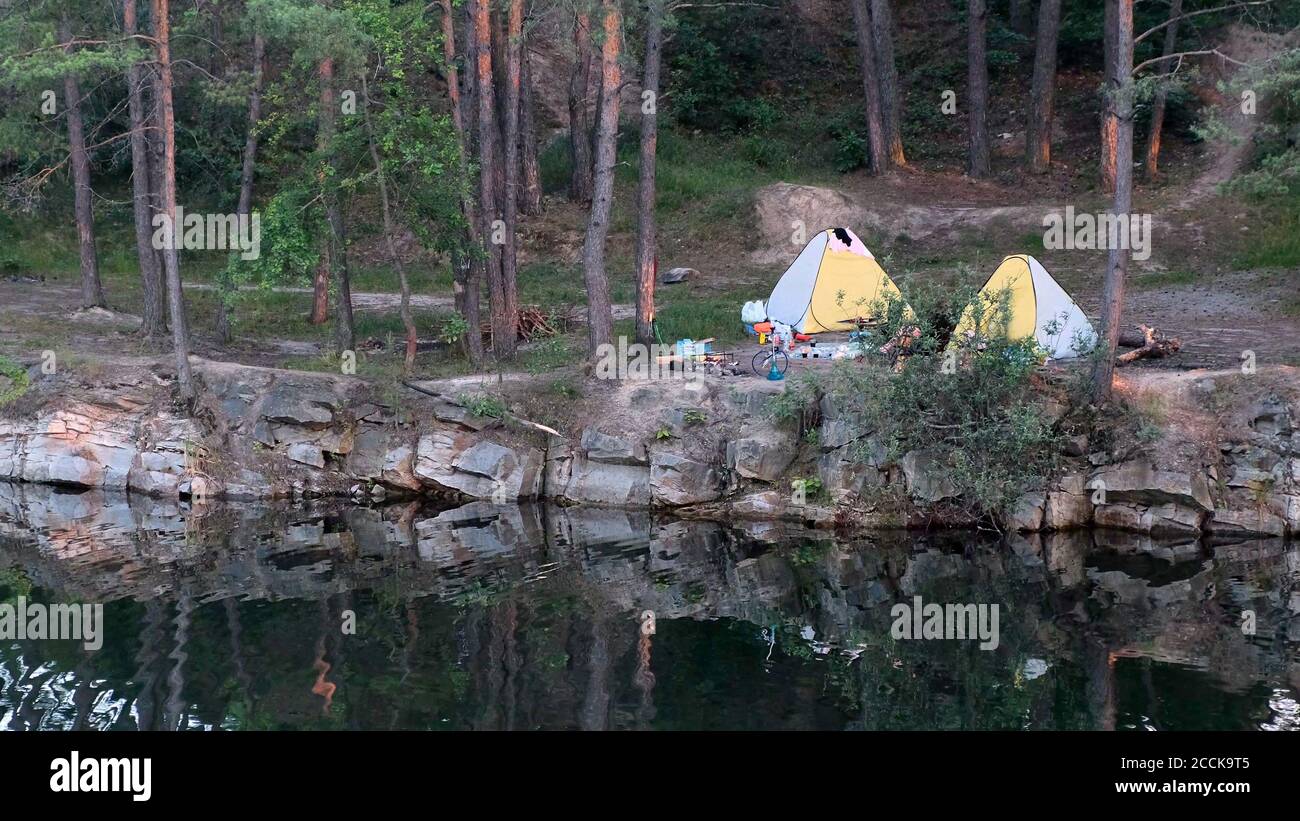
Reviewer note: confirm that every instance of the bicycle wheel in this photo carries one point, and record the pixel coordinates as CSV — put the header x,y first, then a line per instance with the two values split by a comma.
x,y
762,363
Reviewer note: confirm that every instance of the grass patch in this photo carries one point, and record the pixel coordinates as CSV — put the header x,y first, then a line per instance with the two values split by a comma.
x,y
1166,279
1275,241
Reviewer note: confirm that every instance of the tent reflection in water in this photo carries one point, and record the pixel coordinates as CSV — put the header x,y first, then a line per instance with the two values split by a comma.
x,y
1037,307
832,281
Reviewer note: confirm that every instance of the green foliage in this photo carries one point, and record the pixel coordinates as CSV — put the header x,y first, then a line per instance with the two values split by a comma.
x,y
13,380
973,407
484,405
1275,85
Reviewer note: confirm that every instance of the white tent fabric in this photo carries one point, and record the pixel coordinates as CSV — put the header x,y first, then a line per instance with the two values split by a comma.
x,y
791,296
1058,312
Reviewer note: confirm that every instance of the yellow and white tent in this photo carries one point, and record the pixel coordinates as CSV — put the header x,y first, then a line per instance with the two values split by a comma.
x,y
834,279
1038,307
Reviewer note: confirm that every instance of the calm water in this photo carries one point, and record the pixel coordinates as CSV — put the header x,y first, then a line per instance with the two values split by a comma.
x,y
529,617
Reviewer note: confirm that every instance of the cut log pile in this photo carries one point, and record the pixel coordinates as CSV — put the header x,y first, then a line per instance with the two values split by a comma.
x,y
532,323
1147,343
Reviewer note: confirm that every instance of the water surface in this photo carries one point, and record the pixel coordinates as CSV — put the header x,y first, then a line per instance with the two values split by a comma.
x,y
530,617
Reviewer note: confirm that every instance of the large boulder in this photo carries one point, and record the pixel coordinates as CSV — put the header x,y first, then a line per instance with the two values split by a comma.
x,y
478,468
1138,481
677,480
615,450
764,453
305,404
926,476
1069,504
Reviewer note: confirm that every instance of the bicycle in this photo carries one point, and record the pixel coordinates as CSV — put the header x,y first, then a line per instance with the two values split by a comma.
x,y
774,353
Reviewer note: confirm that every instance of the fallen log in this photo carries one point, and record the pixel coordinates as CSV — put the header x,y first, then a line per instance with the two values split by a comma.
x,y
1151,345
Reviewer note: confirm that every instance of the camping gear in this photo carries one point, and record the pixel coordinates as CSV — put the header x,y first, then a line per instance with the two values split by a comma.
x,y
753,311
833,281
1038,307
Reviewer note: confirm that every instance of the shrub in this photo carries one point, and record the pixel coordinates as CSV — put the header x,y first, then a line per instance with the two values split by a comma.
x,y
973,405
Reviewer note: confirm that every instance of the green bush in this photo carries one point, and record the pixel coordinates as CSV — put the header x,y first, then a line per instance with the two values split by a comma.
x,y
973,406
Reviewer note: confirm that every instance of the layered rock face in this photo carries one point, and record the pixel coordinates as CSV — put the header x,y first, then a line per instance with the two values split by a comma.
x,y
702,447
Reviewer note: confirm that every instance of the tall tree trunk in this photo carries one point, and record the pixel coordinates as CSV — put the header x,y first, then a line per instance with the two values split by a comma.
x,y
877,158
467,267
408,322
600,321
489,159
157,160
337,238
320,285
580,180
530,196
246,175
1038,136
1162,94
882,25
646,232
1109,125
1016,15
977,74
92,290
1112,298
175,297
155,305
514,41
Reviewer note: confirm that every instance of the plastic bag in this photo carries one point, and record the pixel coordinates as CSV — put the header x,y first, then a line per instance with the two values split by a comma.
x,y
754,311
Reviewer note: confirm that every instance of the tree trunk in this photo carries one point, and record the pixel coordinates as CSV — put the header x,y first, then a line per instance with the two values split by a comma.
x,y
600,322
514,38
977,80
645,228
580,181
154,294
877,159
882,25
246,175
254,116
175,297
1162,94
92,291
157,159
1016,15
502,324
468,269
1038,134
1108,122
1112,299
337,238
530,196
320,285
408,322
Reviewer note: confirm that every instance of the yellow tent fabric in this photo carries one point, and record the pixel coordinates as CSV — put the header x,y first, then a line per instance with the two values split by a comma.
x,y
834,279
1038,307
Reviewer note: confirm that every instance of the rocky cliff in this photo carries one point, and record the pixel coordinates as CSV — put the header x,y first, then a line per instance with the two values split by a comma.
x,y
703,447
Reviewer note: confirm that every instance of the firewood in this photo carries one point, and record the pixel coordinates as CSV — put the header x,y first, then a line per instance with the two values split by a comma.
x,y
1154,345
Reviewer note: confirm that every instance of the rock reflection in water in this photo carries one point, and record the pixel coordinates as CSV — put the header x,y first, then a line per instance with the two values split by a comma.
x,y
535,617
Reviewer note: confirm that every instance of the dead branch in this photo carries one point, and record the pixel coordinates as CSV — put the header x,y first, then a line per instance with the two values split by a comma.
x,y
1152,345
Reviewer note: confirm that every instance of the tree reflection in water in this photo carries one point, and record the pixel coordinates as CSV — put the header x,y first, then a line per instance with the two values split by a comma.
x,y
527,617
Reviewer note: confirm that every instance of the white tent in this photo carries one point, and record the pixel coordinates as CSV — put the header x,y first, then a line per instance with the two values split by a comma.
x,y
833,280
1038,306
